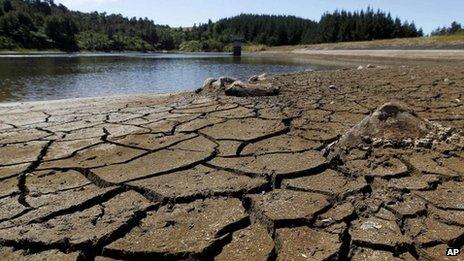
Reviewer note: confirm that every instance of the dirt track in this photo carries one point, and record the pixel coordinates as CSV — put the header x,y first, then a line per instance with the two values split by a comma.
x,y
353,58
189,176
404,54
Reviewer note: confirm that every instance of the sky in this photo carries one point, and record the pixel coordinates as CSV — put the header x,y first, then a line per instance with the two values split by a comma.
x,y
427,14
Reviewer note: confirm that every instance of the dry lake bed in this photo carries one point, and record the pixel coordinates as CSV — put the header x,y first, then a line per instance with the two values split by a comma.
x,y
328,169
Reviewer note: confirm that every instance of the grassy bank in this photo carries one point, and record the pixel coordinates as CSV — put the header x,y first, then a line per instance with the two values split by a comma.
x,y
455,41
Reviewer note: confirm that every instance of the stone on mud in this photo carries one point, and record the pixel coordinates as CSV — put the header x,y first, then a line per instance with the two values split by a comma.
x,y
241,89
257,78
392,121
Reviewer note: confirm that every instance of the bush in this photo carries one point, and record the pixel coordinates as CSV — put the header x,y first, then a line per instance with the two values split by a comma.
x,y
61,29
121,42
7,43
191,46
212,46
93,41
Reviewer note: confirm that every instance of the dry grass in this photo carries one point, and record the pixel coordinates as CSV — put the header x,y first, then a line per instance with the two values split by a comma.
x,y
435,42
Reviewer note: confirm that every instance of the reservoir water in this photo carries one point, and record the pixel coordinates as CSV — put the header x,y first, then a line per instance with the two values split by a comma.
x,y
62,76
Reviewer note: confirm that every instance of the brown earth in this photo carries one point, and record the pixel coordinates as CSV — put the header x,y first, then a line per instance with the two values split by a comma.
x,y
186,176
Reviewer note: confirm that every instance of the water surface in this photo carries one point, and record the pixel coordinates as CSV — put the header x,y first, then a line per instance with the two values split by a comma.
x,y
61,76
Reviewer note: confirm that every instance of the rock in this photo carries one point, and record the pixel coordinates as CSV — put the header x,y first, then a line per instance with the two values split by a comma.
x,y
392,122
262,77
360,67
257,78
222,82
370,66
241,89
208,82
333,87
253,79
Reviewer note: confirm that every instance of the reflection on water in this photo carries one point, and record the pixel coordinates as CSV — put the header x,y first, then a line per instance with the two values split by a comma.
x,y
47,77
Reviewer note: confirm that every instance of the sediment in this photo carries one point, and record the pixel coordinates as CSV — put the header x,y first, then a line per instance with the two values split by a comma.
x,y
209,176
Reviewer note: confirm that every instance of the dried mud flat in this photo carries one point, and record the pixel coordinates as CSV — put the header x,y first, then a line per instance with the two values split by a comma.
x,y
214,177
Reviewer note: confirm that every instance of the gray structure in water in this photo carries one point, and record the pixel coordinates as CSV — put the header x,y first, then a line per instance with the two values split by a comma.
x,y
237,47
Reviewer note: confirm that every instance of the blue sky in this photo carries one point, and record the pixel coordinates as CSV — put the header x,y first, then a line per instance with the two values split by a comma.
x,y
427,14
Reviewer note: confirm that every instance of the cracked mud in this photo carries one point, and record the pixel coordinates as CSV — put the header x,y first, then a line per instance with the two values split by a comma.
x,y
315,173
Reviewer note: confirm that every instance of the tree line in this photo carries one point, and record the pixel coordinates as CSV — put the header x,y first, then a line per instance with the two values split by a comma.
x,y
339,26
454,28
42,24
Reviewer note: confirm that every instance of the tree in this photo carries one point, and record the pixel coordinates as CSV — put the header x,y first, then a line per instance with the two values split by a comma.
x,y
61,30
44,24
455,27
93,41
7,6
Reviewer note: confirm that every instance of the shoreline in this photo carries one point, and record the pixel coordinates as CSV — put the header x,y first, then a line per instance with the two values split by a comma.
x,y
349,59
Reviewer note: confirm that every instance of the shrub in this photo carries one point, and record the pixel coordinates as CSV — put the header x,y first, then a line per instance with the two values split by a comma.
x,y
7,43
191,46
